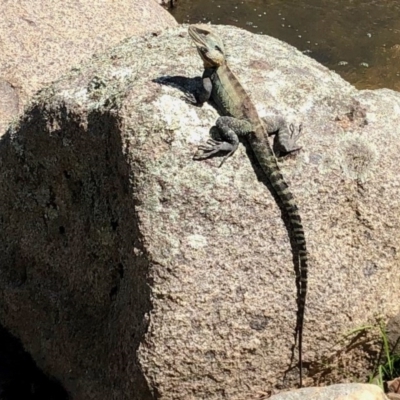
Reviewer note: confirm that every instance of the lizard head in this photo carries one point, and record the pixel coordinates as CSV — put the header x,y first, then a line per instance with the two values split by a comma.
x,y
209,46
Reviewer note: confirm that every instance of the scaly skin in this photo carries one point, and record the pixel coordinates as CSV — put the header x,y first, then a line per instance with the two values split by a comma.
x,y
240,118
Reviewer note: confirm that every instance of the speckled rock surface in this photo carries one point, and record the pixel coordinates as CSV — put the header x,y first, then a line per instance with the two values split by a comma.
x,y
119,251
42,39
350,391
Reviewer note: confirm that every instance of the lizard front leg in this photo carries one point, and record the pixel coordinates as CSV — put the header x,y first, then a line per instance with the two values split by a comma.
x,y
202,95
286,137
229,129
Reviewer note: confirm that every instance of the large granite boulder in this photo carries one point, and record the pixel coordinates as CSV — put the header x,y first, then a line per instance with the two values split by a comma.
x,y
42,39
130,271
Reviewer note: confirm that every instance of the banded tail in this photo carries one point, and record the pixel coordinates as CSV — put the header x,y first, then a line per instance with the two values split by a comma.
x,y
268,162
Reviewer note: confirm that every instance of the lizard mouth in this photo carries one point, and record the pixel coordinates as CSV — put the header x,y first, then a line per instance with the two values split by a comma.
x,y
208,46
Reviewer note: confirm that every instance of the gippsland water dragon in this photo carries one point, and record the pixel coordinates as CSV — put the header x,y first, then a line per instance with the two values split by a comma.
x,y
240,118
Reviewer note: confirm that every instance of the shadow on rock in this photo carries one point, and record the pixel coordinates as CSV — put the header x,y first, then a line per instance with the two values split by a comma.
x,y
20,378
74,269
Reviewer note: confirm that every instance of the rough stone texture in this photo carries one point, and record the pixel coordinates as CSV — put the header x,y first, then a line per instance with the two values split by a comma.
x,y
114,240
393,334
42,39
352,391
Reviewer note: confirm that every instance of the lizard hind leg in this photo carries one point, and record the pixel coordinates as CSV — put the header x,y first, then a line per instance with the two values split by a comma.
x,y
286,136
229,129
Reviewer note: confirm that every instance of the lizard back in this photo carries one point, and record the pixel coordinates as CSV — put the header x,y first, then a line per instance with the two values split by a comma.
x,y
233,100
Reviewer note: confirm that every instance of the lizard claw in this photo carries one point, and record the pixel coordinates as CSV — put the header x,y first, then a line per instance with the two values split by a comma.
x,y
234,148
213,147
212,144
290,146
293,135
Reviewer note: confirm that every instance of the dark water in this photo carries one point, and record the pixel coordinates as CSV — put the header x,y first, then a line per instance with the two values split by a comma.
x,y
359,39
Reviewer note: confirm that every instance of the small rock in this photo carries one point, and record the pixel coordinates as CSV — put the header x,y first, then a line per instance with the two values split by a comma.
x,y
345,391
394,385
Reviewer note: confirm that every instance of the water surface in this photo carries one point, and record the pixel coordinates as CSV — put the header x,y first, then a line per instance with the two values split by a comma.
x,y
359,39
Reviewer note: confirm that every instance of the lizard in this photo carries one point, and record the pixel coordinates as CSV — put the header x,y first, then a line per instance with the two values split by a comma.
x,y
239,118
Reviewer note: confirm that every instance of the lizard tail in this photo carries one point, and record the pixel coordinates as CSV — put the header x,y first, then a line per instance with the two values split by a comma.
x,y
287,199
267,160
298,230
